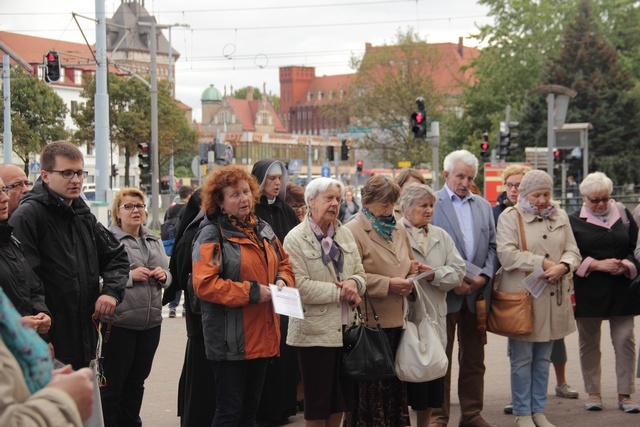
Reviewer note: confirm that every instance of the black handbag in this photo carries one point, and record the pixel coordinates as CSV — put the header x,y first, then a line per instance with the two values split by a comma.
x,y
367,353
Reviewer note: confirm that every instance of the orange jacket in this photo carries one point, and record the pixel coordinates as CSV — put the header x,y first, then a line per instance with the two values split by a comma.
x,y
228,270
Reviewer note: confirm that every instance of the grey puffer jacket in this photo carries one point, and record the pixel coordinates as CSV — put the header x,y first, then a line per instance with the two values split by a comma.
x,y
142,307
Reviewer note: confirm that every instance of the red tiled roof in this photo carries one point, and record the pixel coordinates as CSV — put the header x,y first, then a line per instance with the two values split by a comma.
x,y
246,110
183,106
325,85
32,49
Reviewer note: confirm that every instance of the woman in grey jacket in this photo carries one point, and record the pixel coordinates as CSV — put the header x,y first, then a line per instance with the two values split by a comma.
x,y
330,277
132,336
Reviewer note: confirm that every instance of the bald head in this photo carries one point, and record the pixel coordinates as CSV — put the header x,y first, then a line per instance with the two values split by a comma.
x,y
11,175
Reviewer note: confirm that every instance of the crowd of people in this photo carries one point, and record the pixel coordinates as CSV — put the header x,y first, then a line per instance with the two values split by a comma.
x,y
73,292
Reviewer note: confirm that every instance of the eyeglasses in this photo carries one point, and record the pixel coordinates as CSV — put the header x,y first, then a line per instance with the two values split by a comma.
x,y
596,201
511,186
27,184
130,207
299,207
5,190
68,173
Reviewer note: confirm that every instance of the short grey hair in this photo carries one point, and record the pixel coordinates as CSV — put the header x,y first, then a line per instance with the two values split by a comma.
x,y
412,194
463,156
596,182
320,185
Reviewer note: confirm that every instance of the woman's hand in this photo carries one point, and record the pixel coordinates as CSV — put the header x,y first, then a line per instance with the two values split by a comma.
x,y
265,294
415,267
623,269
78,385
140,274
555,273
159,274
609,265
400,286
280,284
349,292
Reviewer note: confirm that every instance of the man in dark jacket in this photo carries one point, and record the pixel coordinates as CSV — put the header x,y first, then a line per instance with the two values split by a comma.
x,y
70,251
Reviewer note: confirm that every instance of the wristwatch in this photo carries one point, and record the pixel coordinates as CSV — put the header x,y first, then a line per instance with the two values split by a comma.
x,y
566,264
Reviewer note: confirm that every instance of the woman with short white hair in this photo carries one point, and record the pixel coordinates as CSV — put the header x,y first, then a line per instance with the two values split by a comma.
x,y
330,277
607,239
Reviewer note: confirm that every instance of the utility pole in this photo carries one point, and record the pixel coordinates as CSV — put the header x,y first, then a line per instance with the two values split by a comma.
x,y
309,159
7,140
435,166
101,100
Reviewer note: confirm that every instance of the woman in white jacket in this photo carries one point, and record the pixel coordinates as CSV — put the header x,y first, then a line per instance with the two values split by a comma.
x,y
433,247
331,279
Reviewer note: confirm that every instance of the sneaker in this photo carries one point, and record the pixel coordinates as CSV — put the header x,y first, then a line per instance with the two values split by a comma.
x,y
594,403
172,312
540,420
525,421
566,391
508,409
629,406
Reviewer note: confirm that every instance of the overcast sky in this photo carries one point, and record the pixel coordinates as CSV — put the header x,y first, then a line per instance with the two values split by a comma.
x,y
243,43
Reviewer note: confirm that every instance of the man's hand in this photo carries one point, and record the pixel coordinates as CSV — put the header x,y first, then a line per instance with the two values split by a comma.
x,y
280,284
105,306
265,293
463,289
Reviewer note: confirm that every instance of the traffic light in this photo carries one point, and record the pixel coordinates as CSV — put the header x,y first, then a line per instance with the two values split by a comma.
x,y
506,136
52,67
330,153
204,152
359,165
484,148
344,151
144,160
114,170
419,120
558,156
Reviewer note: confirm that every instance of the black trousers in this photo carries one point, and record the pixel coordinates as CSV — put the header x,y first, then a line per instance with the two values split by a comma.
x,y
127,359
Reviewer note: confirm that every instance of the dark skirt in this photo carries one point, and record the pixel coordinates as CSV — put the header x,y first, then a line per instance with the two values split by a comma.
x,y
429,394
278,400
197,386
326,391
380,403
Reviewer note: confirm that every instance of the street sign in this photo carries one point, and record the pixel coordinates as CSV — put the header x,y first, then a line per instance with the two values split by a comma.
x,y
295,165
404,164
195,166
325,172
34,168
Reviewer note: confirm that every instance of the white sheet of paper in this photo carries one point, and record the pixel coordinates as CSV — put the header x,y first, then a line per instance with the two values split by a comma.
x,y
287,301
473,270
423,275
535,285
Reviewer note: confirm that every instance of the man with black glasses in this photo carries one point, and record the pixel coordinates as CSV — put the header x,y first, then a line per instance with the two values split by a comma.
x,y
70,251
15,180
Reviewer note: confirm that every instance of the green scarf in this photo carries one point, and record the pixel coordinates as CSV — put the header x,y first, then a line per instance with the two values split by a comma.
x,y
384,225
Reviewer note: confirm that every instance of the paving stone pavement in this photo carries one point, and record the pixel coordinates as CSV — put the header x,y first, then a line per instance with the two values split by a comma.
x,y
159,405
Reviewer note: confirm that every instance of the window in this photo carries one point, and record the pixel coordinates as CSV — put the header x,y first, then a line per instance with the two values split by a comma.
x,y
319,95
77,77
309,96
309,114
265,118
341,93
73,107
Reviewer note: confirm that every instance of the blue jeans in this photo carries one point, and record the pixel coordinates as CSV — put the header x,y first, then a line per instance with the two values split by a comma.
x,y
238,389
176,301
529,376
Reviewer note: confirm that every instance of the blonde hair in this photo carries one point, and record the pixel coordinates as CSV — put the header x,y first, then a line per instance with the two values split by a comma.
x,y
115,205
514,170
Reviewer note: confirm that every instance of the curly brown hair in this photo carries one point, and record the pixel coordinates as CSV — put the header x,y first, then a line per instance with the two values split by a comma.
x,y
227,176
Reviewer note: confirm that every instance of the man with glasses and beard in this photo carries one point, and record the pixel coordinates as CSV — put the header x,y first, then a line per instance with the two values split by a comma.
x,y
70,251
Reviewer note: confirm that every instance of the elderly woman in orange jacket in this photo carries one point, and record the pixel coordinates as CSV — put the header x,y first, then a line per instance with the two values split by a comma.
x,y
235,257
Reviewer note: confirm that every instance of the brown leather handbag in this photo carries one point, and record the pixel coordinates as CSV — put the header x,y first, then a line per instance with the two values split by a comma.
x,y
510,313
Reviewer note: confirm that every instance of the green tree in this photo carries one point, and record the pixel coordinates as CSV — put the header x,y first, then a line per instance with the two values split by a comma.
x,y
37,115
589,64
130,119
382,98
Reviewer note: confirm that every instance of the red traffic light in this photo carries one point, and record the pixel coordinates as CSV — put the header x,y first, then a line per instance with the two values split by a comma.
x,y
419,117
484,146
556,154
143,146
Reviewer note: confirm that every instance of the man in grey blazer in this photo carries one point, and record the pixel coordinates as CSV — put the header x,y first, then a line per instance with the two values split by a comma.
x,y
469,221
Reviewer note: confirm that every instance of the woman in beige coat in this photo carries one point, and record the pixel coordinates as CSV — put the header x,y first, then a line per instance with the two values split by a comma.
x,y
433,247
388,262
330,278
551,254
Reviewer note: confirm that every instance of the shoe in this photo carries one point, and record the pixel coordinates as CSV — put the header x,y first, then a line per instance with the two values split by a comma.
x,y
540,420
566,391
594,403
172,312
183,312
525,421
629,406
478,422
508,409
